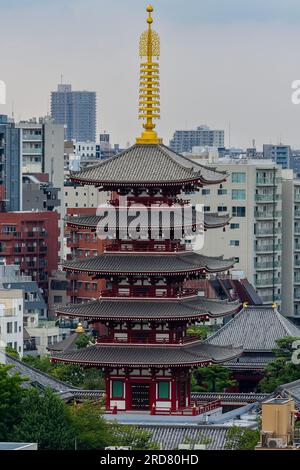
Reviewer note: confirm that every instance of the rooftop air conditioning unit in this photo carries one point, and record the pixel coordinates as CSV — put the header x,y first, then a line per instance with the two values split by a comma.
x,y
276,443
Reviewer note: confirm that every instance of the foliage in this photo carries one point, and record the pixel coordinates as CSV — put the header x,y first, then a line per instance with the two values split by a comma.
x,y
91,430
44,419
238,438
134,437
88,379
281,370
201,331
212,378
11,393
83,340
12,352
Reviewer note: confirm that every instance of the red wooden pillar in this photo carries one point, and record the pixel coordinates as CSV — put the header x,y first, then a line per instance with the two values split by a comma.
x,y
173,392
127,392
107,391
188,382
152,390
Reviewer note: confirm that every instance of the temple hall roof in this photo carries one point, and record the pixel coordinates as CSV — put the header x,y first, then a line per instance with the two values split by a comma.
x,y
120,309
154,165
123,355
147,264
255,329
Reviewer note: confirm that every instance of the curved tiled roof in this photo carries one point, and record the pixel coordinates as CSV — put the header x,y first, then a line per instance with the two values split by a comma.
x,y
147,264
255,329
147,164
211,220
107,309
148,356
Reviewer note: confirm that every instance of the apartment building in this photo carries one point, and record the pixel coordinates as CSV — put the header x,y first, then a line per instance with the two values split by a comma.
x,y
11,319
252,195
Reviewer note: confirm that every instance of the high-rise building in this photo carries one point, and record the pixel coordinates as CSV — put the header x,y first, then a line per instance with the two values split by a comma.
x,y
31,241
76,110
279,154
252,196
10,166
203,136
42,150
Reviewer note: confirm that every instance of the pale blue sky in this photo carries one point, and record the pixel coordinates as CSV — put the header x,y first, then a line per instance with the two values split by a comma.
x,y
221,61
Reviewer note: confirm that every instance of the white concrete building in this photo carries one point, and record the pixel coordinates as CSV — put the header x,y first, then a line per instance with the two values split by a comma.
x,y
291,247
11,319
252,195
83,196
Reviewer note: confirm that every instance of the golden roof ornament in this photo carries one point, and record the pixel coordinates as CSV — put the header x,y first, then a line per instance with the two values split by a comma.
x,y
274,305
79,328
149,98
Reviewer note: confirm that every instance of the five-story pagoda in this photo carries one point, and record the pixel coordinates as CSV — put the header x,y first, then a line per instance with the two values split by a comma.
x,y
143,314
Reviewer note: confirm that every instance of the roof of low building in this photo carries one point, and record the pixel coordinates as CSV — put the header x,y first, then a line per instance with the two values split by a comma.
x,y
66,344
152,263
255,328
129,309
148,355
147,164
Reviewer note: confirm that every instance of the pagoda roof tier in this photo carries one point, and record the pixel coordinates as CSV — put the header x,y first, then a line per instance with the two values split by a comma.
x,y
148,356
130,310
166,264
90,221
147,165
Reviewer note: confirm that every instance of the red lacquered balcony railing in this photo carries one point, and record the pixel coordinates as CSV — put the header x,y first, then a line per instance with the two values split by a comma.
x,y
147,340
133,293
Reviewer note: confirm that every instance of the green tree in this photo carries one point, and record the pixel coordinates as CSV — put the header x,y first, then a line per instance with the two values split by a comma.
x,y
93,379
90,429
11,394
83,340
12,352
134,437
201,331
212,378
238,438
282,369
44,419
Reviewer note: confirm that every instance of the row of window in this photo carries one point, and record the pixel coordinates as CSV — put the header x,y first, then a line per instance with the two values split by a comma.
x,y
237,211
236,194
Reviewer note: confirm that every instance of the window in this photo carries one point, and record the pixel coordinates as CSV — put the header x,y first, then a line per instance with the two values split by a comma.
x,y
222,209
9,327
205,192
238,211
238,177
234,226
222,192
234,243
117,389
238,194
16,327
163,390
206,208
57,299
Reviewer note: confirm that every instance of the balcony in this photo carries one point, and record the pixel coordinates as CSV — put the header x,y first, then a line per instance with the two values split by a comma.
x,y
297,247
269,232
267,215
267,181
264,265
297,230
135,293
297,197
269,282
269,298
297,214
296,279
147,340
267,197
267,248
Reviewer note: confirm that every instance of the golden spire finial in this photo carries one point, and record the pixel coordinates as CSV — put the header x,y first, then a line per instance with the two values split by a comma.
x,y
149,102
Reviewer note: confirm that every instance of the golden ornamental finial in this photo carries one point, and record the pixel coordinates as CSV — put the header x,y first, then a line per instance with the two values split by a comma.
x,y
149,100
79,328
